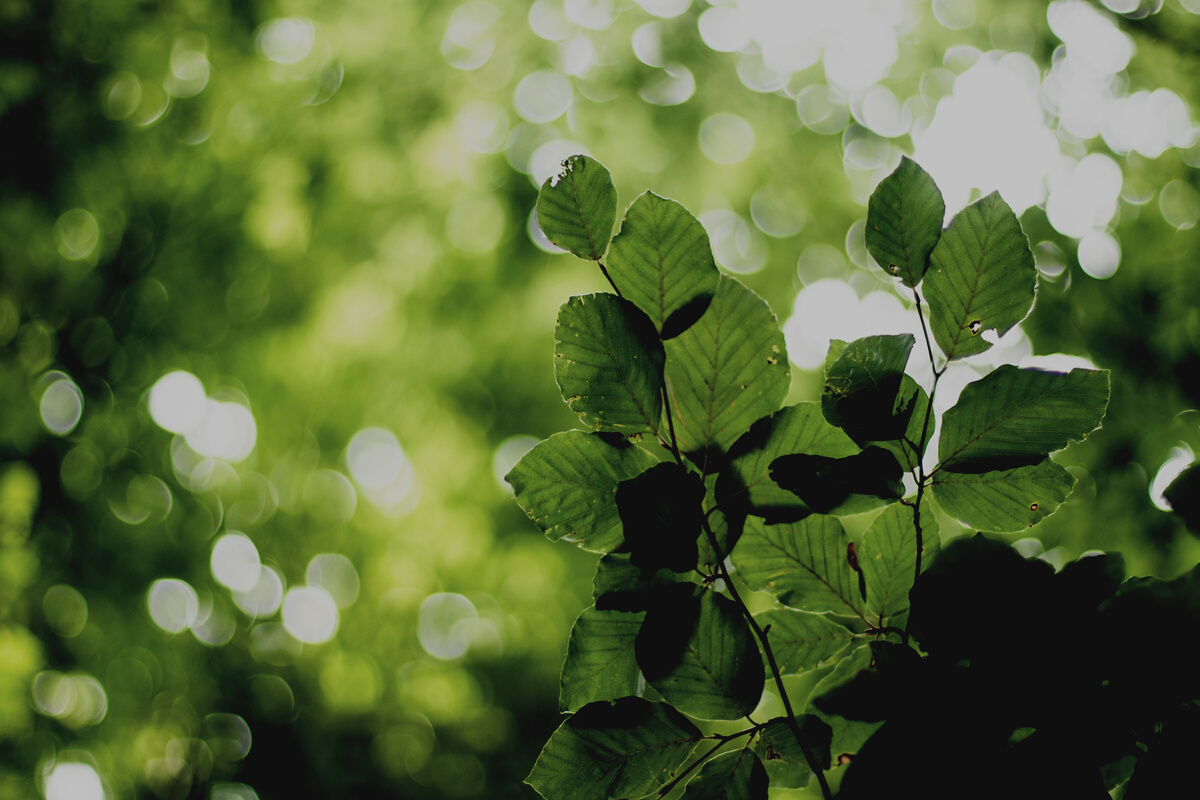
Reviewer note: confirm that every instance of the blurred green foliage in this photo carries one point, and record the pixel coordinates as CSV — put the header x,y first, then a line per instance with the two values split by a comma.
x,y
321,212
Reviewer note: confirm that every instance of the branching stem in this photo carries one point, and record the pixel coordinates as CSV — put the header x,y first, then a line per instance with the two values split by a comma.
x,y
721,742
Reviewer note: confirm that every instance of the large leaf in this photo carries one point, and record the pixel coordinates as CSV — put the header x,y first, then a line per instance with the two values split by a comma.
x,y
888,559
624,749
725,372
577,207
904,222
1013,417
600,663
862,386
661,514
662,261
981,277
825,484
801,640
731,776
608,362
848,736
698,651
1005,500
568,486
746,481
804,564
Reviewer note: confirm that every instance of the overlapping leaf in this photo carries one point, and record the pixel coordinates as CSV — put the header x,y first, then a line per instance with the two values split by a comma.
x,y
725,372
662,261
600,663
661,513
568,485
827,485
608,362
627,748
732,776
800,640
782,755
888,559
1005,500
862,386
577,207
904,222
981,278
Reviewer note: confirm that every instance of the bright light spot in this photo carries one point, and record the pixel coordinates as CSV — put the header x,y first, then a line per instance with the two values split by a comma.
x,y
1179,459
776,214
235,563
336,575
61,406
380,467
476,223
66,610
76,234
469,43
310,614
1090,35
177,402
173,604
822,109
676,85
77,699
232,791
1148,122
547,20
538,236
830,309
226,431
736,245
647,44
506,456
543,96
1180,205
147,499
286,40
122,95
726,138
1084,196
577,56
593,14
1099,254
189,65
665,8
954,14
882,113
482,127
723,29
265,598
437,625
990,134
228,735
214,625
820,261
73,781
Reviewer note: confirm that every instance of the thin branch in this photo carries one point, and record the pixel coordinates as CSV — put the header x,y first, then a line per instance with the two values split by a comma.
x,y
611,282
721,742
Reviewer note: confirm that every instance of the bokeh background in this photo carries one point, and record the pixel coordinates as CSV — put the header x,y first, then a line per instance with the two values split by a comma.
x,y
275,321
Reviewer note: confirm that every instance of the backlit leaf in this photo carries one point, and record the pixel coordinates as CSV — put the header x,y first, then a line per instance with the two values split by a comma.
x,y
888,559
904,222
600,663
862,385
730,776
782,755
825,484
801,640
577,208
1005,500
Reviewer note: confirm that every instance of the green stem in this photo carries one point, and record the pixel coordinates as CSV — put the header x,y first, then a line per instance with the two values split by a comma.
x,y
611,282
721,742
921,477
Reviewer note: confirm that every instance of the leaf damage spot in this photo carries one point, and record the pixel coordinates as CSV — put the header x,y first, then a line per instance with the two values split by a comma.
x,y
772,360
568,166
1033,506
975,326
774,348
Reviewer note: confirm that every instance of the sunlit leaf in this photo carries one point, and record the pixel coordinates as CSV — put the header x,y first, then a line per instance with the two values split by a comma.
x,y
1003,500
782,755
698,651
1014,417
568,486
608,362
904,222
577,208
627,748
600,663
888,559
981,277
804,564
661,261
801,640
725,372
731,776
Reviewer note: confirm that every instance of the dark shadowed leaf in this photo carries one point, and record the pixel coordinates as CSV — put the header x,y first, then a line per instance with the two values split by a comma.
x,y
661,513
863,384
627,748
801,640
662,262
825,483
1005,500
730,776
577,208
904,222
568,486
1184,496
981,277
600,664
912,401
620,586
608,362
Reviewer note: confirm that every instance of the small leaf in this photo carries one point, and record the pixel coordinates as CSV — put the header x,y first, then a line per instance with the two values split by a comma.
x,y
661,513
981,278
889,559
663,263
576,209
825,483
803,564
698,651
1015,417
782,755
796,429
800,640
730,776
1005,500
609,364
904,222
862,385
600,664
724,373
568,485
624,749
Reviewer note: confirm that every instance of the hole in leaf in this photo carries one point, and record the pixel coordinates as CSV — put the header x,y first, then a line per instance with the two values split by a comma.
x,y
975,326
772,360
1033,506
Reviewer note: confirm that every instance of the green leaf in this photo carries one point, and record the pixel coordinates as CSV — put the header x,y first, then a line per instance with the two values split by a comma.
x,y
981,277
662,261
862,386
662,512
726,524
782,755
848,735
800,640
628,748
1015,417
912,401
804,564
825,484
568,486
620,586
746,481
698,651
724,373
1184,497
730,776
888,559
609,364
904,222
577,207
1005,500
600,664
